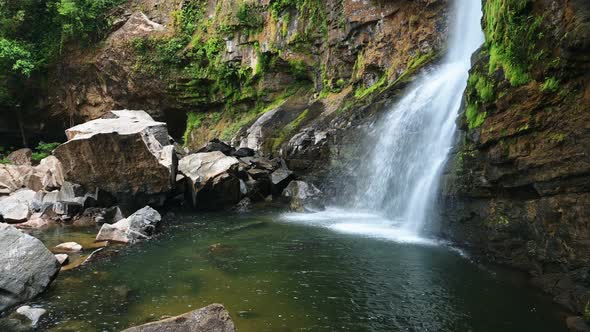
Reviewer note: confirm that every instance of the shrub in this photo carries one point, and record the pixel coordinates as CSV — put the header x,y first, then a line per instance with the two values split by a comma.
x,y
43,150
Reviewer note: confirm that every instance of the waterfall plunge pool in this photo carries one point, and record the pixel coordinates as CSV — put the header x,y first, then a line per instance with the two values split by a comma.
x,y
274,274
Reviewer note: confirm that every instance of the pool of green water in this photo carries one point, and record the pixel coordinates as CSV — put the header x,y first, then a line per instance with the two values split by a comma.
x,y
274,275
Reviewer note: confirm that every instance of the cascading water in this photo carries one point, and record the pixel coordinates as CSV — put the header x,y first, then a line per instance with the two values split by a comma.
x,y
412,144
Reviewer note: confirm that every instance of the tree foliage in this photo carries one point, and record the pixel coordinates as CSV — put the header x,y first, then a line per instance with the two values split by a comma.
x,y
33,33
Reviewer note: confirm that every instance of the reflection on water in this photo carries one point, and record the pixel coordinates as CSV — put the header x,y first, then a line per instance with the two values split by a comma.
x,y
274,275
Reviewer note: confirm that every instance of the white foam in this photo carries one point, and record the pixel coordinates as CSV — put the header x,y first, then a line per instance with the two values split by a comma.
x,y
360,223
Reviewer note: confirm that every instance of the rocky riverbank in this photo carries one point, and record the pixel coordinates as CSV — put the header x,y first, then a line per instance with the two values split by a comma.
x,y
108,167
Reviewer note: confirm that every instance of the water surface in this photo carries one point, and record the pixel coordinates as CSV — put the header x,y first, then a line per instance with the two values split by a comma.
x,y
276,274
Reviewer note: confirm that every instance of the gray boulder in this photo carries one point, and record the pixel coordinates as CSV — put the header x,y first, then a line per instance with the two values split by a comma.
x,y
125,154
138,226
26,267
213,318
212,179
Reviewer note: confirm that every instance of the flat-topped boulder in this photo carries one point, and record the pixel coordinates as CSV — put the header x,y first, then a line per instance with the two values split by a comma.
x,y
212,179
27,267
213,318
124,153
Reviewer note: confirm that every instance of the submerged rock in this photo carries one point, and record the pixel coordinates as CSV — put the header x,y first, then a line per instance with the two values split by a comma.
x,y
126,154
26,267
213,318
138,226
212,179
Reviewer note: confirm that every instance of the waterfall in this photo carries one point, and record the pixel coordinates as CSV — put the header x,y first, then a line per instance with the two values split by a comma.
x,y
411,143
415,136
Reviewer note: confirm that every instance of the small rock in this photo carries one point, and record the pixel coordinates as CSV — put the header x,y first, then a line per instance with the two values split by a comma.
x,y
34,314
62,258
217,145
68,247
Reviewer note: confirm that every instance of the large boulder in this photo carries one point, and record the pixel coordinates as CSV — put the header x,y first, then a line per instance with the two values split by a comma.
x,y
126,154
213,318
26,267
212,179
138,226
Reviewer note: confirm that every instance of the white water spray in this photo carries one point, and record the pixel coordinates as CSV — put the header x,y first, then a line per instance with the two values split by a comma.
x,y
413,141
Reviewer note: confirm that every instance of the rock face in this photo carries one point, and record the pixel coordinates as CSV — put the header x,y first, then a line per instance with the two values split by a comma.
x,y
138,226
213,318
126,154
517,189
26,267
212,179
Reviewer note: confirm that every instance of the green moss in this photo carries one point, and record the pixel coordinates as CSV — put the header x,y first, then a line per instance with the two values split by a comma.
x,y
587,312
513,33
551,84
193,121
5,161
363,91
485,89
288,130
474,117
250,17
557,137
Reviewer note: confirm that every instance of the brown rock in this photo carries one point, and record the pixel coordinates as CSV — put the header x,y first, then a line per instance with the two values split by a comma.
x,y
213,318
128,154
21,157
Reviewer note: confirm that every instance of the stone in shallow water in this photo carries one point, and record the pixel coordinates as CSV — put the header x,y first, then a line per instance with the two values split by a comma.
x,y
68,247
33,314
213,318
137,226
26,266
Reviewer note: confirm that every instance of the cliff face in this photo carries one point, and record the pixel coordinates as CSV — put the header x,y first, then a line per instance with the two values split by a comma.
x,y
518,186
211,68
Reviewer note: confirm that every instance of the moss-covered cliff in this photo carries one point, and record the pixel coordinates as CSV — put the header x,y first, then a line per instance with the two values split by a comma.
x,y
518,188
212,67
